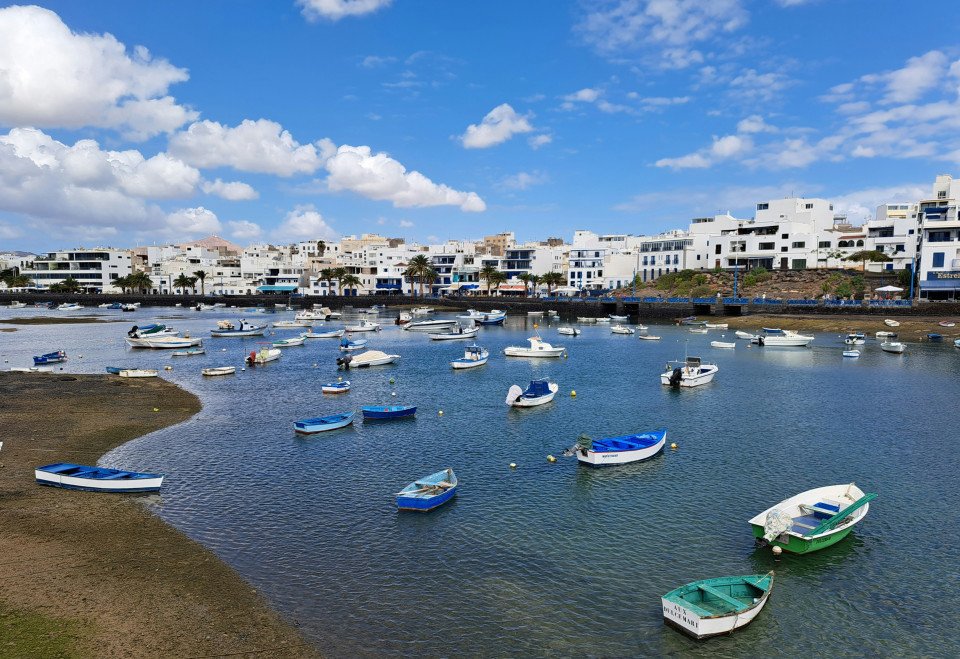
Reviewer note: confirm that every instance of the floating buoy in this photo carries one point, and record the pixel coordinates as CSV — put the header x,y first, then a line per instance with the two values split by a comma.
x,y
535,326
156,409
777,551
243,368
79,356
393,393
674,446
573,393
339,378
513,465
440,413
168,368
550,458
392,380
223,349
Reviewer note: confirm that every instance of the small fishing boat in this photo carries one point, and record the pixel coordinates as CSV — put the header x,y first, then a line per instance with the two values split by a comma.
x,y
110,305
50,358
341,387
473,356
323,423
689,373
346,345
404,318
786,338
263,356
619,450
947,323
885,335
151,331
774,330
364,326
364,359
893,346
129,307
473,314
642,328
378,412
200,306
537,392
31,369
289,343
307,314
193,352
18,305
219,370
428,492
492,318
334,334
648,337
621,329
326,312
291,324
699,330
114,370
745,335
138,373
853,354
163,342
421,311
935,337
722,344
69,306
717,325
538,348
603,320
619,319
691,320
241,328
96,479
569,331
458,332
535,314
430,325
855,339
711,607
891,323
814,519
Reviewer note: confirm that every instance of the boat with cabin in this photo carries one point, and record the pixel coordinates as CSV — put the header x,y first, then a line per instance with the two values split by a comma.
x,y
473,356
434,325
292,324
151,330
711,607
69,306
493,318
689,373
323,423
812,520
538,392
786,338
619,450
364,326
569,331
537,348
96,479
429,492
384,412
17,305
621,329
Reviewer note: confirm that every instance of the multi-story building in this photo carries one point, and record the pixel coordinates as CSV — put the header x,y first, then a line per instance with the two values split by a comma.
x,y
94,269
894,232
939,248
497,245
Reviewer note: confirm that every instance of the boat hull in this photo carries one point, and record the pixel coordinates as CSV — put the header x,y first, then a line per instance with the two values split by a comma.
x,y
608,458
682,619
417,505
380,414
311,429
228,333
222,370
468,363
534,402
67,482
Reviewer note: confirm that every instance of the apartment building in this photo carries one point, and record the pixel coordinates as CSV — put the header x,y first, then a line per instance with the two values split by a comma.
x,y
939,247
94,269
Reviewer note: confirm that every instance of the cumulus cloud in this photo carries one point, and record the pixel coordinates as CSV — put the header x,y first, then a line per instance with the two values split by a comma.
x,y
378,176
907,84
754,124
500,124
524,180
406,224
587,95
334,10
53,77
232,190
722,148
260,146
537,141
244,230
188,223
304,223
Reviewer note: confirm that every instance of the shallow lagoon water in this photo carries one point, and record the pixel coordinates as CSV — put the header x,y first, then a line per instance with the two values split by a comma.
x,y
555,558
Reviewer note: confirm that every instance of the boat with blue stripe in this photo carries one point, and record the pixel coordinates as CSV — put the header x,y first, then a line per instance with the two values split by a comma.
x,y
428,492
374,412
621,450
50,358
96,479
323,423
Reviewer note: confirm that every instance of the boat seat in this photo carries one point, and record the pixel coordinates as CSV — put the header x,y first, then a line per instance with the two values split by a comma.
x,y
722,596
805,524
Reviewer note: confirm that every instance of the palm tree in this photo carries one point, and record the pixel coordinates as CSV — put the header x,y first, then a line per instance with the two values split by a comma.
x,y
140,281
419,268
486,272
339,274
193,283
68,285
496,278
18,281
202,276
182,282
552,279
326,275
123,283
351,282
526,278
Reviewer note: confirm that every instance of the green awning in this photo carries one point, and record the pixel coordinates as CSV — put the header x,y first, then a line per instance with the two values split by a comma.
x,y
278,288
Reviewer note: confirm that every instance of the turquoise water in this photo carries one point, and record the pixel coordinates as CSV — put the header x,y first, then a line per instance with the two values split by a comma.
x,y
556,558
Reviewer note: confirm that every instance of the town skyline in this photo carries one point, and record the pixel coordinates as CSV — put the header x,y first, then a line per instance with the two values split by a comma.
x,y
299,119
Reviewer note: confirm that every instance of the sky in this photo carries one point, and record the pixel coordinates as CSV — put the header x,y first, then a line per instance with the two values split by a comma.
x,y
130,123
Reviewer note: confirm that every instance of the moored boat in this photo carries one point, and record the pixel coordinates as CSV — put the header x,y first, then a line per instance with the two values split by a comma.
x,y
648,337
17,305
429,325
785,338
745,335
151,331
885,335
814,519
619,319
333,334
492,318
893,346
455,333
96,479
711,607
219,370
364,326
538,392
289,343
429,492
717,325
855,339
69,306
689,373
620,450
380,412
699,330
853,354
346,345
163,342
263,356
935,337
340,387
538,348
621,329
241,328
192,352
722,344
138,373
323,423
473,356
569,331
50,358
292,324
364,359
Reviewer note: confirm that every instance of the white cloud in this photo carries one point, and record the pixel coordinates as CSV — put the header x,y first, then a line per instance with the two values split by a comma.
x,y
334,10
378,176
500,124
793,3
587,95
659,101
861,205
752,87
187,223
406,224
670,27
261,146
375,61
754,124
53,77
920,75
232,190
705,200
537,141
304,223
244,230
524,180
722,148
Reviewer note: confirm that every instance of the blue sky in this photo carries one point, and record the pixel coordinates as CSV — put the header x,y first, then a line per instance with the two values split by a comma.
x,y
134,123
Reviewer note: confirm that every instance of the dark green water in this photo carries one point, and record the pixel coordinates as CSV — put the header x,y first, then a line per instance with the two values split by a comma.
x,y
558,559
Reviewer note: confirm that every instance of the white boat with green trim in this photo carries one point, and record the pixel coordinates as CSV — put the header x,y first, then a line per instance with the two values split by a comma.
x,y
711,607
813,519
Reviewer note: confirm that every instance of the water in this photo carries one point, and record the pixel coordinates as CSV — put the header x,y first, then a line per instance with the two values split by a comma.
x,y
557,558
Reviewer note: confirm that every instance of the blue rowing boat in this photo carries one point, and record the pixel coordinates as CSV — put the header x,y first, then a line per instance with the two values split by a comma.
x,y
114,370
933,336
428,492
621,450
388,411
96,479
323,423
50,358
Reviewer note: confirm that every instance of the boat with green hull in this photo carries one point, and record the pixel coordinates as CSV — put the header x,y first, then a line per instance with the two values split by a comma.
x,y
812,520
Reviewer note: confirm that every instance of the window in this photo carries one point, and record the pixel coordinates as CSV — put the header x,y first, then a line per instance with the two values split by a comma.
x,y
824,244
783,249
785,236
799,264
938,237
942,194
717,250
766,246
698,257
676,259
899,248
762,207
910,232
808,206
859,243
798,245
938,259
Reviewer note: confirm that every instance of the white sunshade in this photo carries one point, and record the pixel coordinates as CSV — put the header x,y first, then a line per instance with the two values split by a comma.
x,y
889,289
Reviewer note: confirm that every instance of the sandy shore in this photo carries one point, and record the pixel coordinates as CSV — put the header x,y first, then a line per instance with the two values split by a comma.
x,y
912,328
97,575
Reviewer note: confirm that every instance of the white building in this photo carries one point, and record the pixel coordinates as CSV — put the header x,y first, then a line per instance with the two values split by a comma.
x,y
94,269
894,232
939,249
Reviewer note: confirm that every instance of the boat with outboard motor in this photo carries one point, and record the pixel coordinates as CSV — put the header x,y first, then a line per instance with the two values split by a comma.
x,y
538,392
364,359
621,329
785,338
689,373
226,328
262,356
618,450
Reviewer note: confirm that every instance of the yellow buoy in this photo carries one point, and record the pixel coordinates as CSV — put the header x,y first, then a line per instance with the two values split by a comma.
x,y
513,465
156,409
673,446
535,326
573,393
550,458
440,413
168,368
